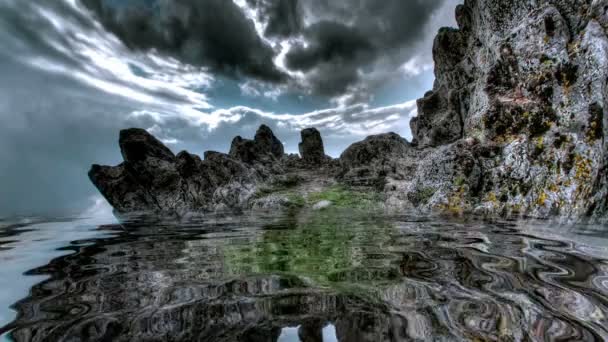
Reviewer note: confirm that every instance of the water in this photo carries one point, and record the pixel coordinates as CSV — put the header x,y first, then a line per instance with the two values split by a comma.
x,y
330,276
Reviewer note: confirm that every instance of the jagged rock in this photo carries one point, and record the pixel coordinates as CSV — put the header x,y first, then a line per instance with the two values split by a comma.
x,y
268,142
121,189
516,120
153,179
265,147
148,179
515,124
311,147
439,121
244,150
520,95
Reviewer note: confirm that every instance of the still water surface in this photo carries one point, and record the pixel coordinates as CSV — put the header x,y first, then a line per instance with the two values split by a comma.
x,y
323,276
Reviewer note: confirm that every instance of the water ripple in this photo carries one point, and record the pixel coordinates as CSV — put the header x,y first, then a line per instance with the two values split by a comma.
x,y
369,278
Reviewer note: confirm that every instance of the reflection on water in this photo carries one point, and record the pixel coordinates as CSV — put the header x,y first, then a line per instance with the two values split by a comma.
x,y
331,276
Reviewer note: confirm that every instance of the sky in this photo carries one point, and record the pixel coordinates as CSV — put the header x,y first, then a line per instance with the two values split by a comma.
x,y
196,73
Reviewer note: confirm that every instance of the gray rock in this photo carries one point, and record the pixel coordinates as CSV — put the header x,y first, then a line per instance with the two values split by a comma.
x,y
268,142
311,148
368,162
517,113
264,148
322,205
153,179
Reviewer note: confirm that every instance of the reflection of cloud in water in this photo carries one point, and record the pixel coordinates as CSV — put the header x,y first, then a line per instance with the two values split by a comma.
x,y
290,334
248,278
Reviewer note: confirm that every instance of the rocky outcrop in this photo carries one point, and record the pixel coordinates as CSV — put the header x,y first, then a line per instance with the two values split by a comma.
x,y
311,147
371,161
264,148
516,120
515,125
153,179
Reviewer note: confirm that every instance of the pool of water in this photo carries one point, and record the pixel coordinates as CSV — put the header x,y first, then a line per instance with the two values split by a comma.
x,y
312,276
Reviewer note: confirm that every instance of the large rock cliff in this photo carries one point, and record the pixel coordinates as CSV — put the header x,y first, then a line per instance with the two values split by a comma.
x,y
515,125
516,120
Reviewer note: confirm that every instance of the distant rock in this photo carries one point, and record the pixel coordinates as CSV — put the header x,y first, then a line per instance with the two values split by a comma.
x,y
265,138
153,179
265,147
368,162
311,147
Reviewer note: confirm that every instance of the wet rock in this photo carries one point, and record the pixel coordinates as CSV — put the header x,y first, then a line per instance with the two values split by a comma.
x,y
311,147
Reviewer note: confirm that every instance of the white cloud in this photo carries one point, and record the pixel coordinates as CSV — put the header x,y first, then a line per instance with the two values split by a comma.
x,y
52,134
340,126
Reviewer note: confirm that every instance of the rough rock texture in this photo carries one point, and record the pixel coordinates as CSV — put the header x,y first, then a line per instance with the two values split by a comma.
x,y
515,124
517,116
369,162
311,147
153,179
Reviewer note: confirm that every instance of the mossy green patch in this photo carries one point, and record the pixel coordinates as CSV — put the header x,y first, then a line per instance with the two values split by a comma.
x,y
323,248
296,200
345,197
283,185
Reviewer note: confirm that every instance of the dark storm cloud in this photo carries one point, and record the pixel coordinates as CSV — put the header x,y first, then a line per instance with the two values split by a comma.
x,y
330,41
340,46
68,86
212,33
283,17
351,38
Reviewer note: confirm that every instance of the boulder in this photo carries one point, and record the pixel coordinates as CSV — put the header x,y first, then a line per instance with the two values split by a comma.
x,y
311,147
368,162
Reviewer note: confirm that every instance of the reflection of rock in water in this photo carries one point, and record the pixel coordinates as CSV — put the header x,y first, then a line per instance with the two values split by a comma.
x,y
151,288
245,310
421,281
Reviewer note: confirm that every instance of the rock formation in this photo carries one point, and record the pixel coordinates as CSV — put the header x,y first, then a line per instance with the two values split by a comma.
x,y
515,125
153,179
311,147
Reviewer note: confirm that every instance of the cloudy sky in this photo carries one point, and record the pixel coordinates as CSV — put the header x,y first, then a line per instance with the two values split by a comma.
x,y
196,73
